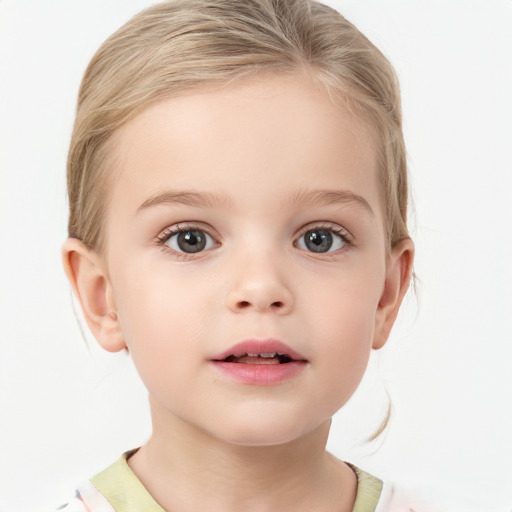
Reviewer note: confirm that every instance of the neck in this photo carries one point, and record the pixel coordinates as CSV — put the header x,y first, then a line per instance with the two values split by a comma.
x,y
185,468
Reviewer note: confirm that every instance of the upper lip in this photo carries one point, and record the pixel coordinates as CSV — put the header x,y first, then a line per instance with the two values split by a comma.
x,y
259,346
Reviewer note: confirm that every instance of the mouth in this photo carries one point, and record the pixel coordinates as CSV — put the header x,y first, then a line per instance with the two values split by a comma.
x,y
267,352
260,363
259,358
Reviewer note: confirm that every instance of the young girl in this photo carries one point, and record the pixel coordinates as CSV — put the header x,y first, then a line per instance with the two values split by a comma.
x,y
238,222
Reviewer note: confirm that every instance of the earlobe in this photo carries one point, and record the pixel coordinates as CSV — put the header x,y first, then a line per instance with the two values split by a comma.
x,y
91,286
398,277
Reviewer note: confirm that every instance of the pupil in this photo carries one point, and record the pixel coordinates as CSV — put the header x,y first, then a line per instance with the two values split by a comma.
x,y
191,241
318,240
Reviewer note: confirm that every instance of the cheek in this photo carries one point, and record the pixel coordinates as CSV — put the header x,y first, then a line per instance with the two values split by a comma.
x,y
160,339
347,329
166,314
347,341
153,297
160,317
343,319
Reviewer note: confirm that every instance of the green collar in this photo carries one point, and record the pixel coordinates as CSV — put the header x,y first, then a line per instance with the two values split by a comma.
x,y
125,492
368,492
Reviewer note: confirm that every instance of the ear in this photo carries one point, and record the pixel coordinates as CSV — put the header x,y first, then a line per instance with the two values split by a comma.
x,y
398,278
85,271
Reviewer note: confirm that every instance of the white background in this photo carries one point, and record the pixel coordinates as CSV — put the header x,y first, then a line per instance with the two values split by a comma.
x,y
67,412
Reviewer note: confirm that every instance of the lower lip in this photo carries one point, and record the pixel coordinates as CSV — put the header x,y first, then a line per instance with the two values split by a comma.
x,y
260,374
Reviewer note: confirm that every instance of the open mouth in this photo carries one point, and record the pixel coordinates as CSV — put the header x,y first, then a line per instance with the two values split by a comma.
x,y
260,362
259,358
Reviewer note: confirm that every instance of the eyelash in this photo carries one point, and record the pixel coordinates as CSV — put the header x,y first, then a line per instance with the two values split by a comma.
x,y
169,232
343,233
336,229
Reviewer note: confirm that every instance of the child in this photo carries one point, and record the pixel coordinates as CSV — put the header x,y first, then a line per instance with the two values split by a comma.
x,y
238,207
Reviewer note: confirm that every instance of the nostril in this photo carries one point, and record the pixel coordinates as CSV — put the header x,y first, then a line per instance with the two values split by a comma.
x,y
277,306
243,304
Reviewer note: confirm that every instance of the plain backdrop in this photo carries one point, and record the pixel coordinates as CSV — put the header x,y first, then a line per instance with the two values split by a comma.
x,y
67,411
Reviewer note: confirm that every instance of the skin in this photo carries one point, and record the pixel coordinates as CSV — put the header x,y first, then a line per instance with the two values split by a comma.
x,y
264,147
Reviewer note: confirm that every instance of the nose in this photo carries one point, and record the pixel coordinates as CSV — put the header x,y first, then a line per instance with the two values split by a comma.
x,y
260,287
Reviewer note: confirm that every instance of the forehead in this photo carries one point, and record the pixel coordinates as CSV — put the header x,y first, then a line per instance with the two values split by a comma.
x,y
282,132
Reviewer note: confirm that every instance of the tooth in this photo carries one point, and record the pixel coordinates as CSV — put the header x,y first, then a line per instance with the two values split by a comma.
x,y
268,354
252,355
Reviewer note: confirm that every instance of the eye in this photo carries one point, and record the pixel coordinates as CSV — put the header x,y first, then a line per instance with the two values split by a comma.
x,y
321,240
189,241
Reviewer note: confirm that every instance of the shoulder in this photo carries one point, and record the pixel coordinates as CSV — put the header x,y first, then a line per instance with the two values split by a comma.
x,y
116,488
375,495
395,499
87,499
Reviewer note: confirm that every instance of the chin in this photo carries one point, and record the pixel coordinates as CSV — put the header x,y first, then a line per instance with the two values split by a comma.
x,y
271,432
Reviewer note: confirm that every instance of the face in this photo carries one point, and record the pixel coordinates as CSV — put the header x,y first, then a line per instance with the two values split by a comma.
x,y
246,256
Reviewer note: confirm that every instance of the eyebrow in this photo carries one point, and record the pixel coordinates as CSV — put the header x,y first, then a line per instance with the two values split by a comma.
x,y
297,199
330,197
197,199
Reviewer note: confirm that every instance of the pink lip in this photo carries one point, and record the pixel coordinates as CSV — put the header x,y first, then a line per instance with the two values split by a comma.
x,y
258,347
259,374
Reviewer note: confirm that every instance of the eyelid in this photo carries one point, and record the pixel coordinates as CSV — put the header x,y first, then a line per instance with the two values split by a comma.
x,y
342,234
179,227
166,234
329,226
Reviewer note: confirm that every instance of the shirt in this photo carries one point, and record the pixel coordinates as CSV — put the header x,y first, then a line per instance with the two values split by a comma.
x,y
117,489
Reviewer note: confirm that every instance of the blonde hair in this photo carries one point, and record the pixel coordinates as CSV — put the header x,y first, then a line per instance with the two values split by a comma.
x,y
177,45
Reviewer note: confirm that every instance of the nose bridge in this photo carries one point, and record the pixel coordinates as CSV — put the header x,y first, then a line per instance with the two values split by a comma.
x,y
259,282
